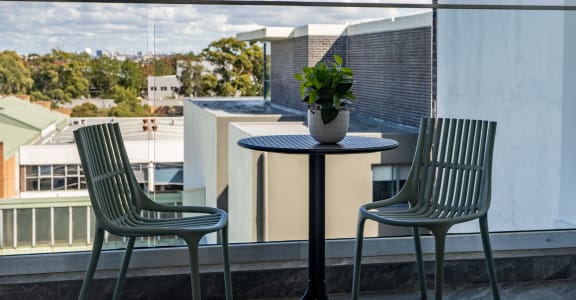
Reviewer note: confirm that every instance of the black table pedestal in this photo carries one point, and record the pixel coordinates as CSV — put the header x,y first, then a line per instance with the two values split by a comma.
x,y
316,229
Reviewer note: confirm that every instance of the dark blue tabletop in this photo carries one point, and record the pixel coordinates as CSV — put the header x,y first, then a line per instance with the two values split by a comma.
x,y
305,144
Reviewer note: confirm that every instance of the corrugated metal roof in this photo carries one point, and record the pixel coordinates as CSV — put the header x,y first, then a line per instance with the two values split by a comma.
x,y
22,122
28,114
14,136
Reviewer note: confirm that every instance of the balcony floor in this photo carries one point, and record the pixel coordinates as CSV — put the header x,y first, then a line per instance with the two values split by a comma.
x,y
549,290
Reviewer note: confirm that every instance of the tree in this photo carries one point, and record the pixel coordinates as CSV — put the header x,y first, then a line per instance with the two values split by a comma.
x,y
60,76
238,66
132,76
127,103
191,76
105,75
87,110
15,76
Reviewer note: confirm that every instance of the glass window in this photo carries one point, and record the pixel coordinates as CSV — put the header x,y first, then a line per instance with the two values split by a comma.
x,y
31,184
71,169
59,170
45,170
59,183
71,183
31,171
45,184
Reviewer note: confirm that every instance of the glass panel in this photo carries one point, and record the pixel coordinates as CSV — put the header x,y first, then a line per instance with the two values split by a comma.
x,y
42,227
8,227
59,170
71,183
512,66
79,225
24,224
31,171
45,184
61,225
31,185
72,169
59,183
45,170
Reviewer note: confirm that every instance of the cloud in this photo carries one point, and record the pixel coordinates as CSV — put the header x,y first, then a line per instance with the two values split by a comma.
x,y
37,27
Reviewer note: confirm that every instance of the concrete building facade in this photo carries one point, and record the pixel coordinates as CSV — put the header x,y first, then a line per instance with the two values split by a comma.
x,y
163,87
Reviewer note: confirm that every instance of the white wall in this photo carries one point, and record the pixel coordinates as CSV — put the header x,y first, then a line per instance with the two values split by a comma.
x,y
513,67
138,152
206,148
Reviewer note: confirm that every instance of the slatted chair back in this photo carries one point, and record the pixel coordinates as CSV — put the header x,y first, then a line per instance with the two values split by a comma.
x,y
451,172
114,191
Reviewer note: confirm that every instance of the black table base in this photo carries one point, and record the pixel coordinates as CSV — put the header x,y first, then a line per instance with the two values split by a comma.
x,y
316,229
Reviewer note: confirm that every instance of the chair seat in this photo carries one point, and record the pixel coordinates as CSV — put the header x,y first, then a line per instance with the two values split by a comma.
x,y
137,225
419,216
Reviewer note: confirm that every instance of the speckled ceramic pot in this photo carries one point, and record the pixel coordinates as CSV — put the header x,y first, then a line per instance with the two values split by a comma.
x,y
330,133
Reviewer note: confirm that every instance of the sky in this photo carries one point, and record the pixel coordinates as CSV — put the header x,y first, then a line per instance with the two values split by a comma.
x,y
32,27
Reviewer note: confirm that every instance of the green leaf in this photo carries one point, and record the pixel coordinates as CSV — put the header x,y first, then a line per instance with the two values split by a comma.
x,y
328,115
299,76
338,59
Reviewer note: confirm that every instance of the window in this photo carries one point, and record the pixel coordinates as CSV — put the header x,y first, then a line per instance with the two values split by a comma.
x,y
388,180
53,178
512,74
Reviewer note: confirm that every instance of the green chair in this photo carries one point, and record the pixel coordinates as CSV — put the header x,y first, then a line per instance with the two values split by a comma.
x,y
118,202
449,183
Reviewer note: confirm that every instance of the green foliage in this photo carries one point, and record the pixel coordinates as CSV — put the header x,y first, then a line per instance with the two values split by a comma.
x,y
15,77
164,66
60,76
191,76
38,96
88,110
326,87
132,76
237,66
105,75
127,103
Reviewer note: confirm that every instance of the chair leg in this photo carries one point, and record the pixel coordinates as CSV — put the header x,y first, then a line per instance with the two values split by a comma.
x,y
226,261
440,241
489,261
420,262
194,267
358,259
94,257
123,269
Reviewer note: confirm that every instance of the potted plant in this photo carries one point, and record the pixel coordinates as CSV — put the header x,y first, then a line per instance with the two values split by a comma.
x,y
327,91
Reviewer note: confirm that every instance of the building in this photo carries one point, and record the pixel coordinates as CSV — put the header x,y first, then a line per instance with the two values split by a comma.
x,y
46,207
163,87
22,123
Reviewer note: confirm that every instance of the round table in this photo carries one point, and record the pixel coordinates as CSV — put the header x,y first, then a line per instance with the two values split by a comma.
x,y
305,144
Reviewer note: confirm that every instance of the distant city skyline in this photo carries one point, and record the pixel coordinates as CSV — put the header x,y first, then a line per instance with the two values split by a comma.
x,y
39,27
